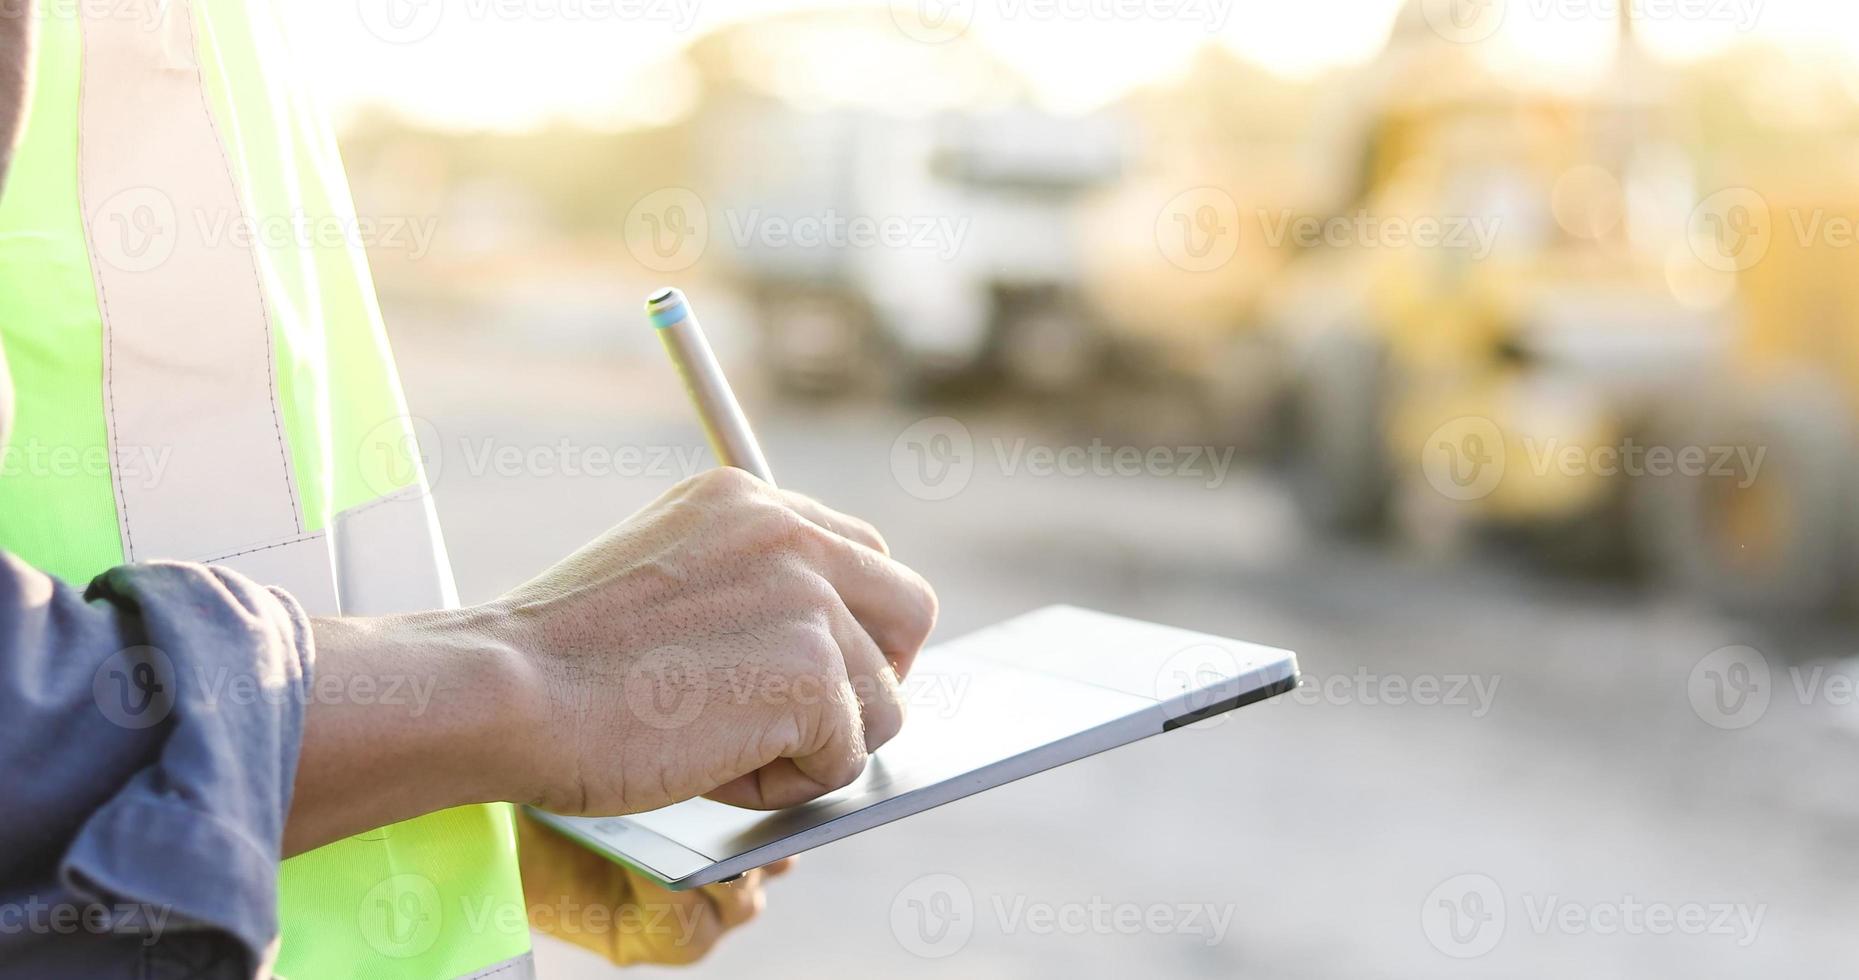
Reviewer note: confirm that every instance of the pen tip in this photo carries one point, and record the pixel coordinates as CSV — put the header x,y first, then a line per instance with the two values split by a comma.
x,y
666,307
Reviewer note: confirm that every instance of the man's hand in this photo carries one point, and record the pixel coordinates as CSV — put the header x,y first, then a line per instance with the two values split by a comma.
x,y
576,895
730,640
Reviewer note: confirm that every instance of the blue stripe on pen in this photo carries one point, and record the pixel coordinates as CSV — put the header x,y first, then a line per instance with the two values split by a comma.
x,y
669,315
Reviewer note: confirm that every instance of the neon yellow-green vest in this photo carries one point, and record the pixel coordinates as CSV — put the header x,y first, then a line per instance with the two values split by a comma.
x,y
200,373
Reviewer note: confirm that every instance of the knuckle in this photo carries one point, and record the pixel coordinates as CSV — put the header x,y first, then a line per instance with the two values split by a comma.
x,y
802,592
844,771
724,482
787,532
815,653
867,534
884,719
917,611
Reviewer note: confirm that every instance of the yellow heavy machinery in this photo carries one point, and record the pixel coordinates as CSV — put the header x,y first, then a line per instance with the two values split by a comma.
x,y
1493,303
1779,533
1657,358
1176,255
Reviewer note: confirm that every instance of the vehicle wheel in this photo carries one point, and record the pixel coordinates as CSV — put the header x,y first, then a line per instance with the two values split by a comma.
x,y
1758,535
1048,350
813,344
1336,446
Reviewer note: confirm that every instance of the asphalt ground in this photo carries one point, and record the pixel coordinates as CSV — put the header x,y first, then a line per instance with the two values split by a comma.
x,y
1491,771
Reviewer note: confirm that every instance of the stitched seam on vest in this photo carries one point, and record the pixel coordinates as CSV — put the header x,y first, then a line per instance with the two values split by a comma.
x,y
264,309
524,962
413,492
103,303
299,539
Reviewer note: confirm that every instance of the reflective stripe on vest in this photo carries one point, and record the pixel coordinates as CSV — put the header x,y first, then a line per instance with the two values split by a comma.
x,y
192,384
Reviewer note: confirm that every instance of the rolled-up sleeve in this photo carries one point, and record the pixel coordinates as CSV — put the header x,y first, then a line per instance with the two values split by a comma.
x,y
149,730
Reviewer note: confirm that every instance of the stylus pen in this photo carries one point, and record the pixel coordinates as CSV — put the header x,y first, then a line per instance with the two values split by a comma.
x,y
717,409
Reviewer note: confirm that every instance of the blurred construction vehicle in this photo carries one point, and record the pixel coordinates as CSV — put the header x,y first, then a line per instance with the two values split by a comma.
x,y
1178,254
1779,226
1477,372
956,261
1656,362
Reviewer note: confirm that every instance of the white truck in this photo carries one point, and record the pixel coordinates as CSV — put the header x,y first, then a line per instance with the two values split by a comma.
x,y
925,252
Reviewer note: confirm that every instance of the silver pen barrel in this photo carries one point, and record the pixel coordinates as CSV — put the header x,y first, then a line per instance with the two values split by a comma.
x,y
722,417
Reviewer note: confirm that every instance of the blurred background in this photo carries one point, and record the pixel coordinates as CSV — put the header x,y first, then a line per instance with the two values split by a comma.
x,y
1501,357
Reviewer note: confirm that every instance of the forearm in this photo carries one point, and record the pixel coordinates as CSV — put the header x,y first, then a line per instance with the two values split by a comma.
x,y
407,715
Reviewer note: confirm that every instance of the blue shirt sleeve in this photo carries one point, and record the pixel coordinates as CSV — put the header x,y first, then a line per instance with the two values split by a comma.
x,y
149,730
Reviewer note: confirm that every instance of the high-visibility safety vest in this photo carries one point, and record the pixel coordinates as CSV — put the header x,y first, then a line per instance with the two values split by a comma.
x,y
201,374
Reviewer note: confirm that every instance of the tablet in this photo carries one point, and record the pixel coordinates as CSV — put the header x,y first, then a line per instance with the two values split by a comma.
x,y
1036,691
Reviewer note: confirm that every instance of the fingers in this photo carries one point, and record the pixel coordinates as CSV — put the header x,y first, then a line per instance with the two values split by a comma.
x,y
844,525
817,747
893,604
873,679
736,902
672,928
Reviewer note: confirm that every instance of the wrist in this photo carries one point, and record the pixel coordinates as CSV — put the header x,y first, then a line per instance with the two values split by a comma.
x,y
495,705
411,714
